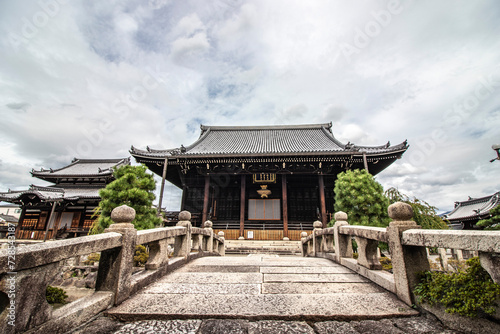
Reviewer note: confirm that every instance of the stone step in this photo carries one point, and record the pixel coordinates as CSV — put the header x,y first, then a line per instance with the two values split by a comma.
x,y
281,247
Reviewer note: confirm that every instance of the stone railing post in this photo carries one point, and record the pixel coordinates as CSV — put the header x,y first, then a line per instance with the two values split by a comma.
x,y
343,244
208,244
407,261
318,226
182,246
304,246
222,247
115,265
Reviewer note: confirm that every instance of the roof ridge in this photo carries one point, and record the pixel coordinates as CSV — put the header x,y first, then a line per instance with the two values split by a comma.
x,y
266,127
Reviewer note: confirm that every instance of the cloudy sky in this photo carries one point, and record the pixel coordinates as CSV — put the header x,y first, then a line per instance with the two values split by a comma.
x,y
89,79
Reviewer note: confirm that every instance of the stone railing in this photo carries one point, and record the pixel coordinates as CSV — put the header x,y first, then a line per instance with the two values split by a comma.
x,y
26,272
407,247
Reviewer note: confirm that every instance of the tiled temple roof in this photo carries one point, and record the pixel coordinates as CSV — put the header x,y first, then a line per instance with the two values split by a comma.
x,y
82,168
312,139
474,208
53,194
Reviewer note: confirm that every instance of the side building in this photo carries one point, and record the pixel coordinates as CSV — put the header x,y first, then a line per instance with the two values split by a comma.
x,y
467,213
263,182
64,209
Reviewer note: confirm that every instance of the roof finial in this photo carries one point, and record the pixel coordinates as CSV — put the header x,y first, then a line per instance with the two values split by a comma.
x,y
148,149
183,149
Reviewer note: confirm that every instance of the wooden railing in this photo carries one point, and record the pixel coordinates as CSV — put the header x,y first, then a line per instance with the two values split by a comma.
x,y
407,247
26,271
263,234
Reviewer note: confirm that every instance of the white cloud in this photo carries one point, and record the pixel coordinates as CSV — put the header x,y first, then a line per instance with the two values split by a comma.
x,y
98,77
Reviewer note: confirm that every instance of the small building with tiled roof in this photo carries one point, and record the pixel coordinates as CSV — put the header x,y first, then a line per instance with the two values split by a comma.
x,y
249,179
65,208
466,214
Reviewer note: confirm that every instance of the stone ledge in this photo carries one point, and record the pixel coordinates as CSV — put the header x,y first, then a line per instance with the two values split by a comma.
x,y
76,313
379,277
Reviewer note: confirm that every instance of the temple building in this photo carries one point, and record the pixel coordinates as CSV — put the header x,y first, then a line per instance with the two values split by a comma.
x,y
66,208
467,213
263,182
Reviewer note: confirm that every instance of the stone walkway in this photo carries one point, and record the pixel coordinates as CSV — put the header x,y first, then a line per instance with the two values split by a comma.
x,y
262,287
263,294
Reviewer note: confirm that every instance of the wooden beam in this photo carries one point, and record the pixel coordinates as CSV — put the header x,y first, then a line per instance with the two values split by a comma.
x,y
322,199
285,205
206,196
242,205
164,175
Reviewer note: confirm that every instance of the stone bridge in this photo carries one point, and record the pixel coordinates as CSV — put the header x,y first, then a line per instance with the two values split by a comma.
x,y
195,290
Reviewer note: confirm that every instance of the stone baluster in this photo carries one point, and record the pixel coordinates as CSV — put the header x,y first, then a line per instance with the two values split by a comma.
x,y
222,247
158,254
443,258
304,244
197,242
328,243
318,226
115,265
182,246
407,261
208,243
367,253
343,244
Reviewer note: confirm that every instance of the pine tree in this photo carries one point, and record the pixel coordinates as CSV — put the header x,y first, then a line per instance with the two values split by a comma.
x,y
362,198
424,214
133,187
492,223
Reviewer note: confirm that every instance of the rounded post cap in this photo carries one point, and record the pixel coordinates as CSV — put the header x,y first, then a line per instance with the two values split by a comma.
x,y
184,215
400,211
340,215
318,224
208,224
303,235
220,234
122,214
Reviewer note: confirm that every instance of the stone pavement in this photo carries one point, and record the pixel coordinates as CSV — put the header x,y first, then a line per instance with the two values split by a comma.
x,y
261,287
424,324
263,294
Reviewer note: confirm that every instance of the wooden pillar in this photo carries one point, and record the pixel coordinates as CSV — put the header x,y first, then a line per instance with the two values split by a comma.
x,y
322,199
20,223
206,196
242,206
56,223
49,218
365,162
285,205
164,175
183,198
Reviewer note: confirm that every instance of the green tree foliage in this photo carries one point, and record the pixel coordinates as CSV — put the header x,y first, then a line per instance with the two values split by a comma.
x,y
492,223
362,198
133,187
424,214
467,293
